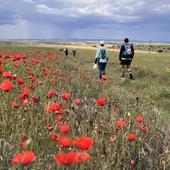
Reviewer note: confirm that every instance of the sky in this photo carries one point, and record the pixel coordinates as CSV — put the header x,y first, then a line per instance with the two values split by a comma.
x,y
143,20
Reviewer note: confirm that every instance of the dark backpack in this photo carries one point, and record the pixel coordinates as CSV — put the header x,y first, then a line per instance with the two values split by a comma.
x,y
127,50
102,53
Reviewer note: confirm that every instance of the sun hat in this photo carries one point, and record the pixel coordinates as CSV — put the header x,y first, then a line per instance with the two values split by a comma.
x,y
102,42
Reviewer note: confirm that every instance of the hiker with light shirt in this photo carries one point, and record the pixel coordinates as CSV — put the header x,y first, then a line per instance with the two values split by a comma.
x,y
101,59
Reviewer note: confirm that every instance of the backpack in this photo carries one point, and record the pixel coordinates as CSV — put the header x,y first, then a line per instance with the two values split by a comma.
x,y
102,53
128,50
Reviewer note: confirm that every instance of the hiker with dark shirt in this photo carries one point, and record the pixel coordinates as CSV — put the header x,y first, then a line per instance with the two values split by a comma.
x,y
74,52
101,59
66,52
125,57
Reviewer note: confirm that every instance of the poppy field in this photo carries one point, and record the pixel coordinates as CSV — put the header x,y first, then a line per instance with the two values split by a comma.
x,y
55,114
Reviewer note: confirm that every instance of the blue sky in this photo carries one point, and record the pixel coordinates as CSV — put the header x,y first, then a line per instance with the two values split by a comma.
x,y
90,19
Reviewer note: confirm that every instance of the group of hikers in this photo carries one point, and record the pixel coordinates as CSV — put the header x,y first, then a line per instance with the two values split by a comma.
x,y
125,58
73,52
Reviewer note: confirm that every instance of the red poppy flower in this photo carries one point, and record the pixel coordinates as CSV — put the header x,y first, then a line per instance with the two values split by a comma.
x,y
32,87
6,85
51,93
66,96
65,158
24,56
81,157
44,69
52,80
32,79
15,105
1,69
71,157
7,75
20,81
66,142
132,137
50,128
25,158
139,119
16,65
100,101
35,99
55,137
14,76
120,124
55,107
21,97
77,101
132,163
26,102
58,118
143,129
17,57
84,143
6,56
54,72
40,83
65,129
17,159
25,92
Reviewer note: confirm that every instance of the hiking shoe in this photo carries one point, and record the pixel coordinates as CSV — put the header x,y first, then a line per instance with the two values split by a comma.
x,y
131,77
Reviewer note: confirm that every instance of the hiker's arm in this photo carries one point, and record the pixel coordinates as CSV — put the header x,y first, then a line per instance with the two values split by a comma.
x,y
97,54
120,53
133,52
107,54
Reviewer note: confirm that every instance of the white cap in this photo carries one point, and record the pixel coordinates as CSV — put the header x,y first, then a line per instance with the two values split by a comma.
x,y
102,42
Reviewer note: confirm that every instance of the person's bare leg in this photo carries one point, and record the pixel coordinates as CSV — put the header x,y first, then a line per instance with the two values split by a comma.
x,y
129,71
123,71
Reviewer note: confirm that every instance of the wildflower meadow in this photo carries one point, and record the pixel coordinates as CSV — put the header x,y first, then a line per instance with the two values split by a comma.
x,y
55,114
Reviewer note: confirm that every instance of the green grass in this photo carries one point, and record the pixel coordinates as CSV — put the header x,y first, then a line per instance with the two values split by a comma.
x,y
150,73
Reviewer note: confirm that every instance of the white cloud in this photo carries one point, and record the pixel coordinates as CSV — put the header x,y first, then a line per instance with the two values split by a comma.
x,y
163,9
120,11
29,1
42,8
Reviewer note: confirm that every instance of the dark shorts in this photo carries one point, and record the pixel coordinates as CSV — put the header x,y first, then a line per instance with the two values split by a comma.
x,y
126,62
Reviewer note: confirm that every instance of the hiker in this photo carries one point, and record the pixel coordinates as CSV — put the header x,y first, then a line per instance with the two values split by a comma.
x,y
74,52
101,59
125,57
66,52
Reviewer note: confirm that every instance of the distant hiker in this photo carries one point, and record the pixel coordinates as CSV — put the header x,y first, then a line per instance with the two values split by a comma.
x,y
101,59
74,52
66,52
125,57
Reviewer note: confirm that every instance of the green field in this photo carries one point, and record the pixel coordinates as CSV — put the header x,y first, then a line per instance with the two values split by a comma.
x,y
152,78
148,95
